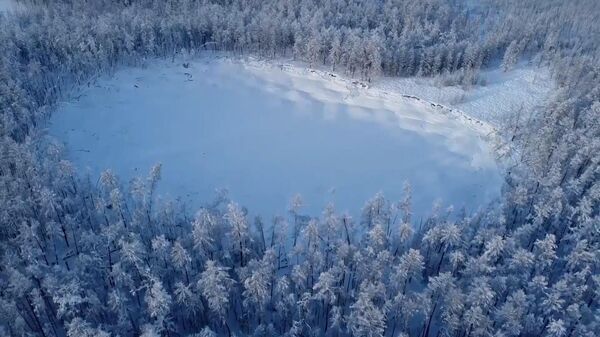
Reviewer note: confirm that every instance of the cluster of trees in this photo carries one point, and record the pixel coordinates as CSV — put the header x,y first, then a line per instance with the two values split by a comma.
x,y
96,257
363,38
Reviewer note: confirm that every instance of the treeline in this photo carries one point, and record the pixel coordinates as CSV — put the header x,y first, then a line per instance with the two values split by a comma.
x,y
100,261
50,47
93,257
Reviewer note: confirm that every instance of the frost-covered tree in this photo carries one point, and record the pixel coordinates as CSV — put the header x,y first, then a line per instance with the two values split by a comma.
x,y
366,319
215,286
238,232
511,56
158,301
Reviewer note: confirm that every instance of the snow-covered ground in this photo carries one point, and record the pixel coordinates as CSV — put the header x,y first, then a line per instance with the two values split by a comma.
x,y
268,131
525,87
8,5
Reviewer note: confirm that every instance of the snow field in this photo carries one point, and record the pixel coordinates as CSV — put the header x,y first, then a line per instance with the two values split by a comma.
x,y
266,132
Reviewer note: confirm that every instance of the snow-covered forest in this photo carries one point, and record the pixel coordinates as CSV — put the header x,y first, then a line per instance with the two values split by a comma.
x,y
98,256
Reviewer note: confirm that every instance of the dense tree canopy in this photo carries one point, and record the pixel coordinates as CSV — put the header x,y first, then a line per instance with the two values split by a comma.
x,y
92,256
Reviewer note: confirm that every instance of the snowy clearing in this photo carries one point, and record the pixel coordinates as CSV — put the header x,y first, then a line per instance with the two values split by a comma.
x,y
525,87
266,132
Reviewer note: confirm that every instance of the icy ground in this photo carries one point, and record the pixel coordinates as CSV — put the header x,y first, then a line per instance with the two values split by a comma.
x,y
266,132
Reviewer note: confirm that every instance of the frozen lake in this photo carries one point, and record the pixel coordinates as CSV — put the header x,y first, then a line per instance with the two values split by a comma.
x,y
266,133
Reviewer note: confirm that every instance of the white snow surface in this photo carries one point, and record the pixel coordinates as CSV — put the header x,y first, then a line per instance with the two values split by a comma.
x,y
267,131
8,6
526,87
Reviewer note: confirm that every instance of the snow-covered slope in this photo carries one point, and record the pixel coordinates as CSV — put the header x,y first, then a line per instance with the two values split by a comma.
x,y
387,94
268,131
502,92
